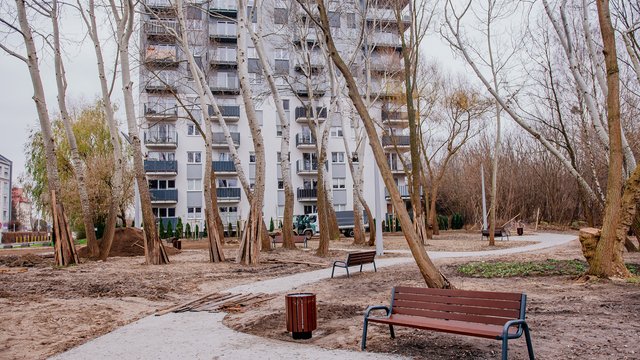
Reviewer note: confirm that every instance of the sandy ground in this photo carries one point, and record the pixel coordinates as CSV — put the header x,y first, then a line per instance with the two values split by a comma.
x,y
46,310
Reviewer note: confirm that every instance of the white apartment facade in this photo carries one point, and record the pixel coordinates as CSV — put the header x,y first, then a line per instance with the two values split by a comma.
x,y
5,193
175,151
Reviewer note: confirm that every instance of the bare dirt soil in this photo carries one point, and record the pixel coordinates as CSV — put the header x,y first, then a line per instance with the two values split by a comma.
x,y
45,310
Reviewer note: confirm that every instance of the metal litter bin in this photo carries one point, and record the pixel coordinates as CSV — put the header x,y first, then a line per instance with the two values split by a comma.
x,y
301,314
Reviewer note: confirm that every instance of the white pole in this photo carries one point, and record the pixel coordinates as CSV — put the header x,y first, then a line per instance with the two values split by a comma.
x,y
378,205
484,201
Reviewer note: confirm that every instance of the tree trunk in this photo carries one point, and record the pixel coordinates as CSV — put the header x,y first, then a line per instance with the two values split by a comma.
x,y
323,216
214,206
254,233
358,227
154,250
608,260
53,179
78,165
332,219
429,272
116,179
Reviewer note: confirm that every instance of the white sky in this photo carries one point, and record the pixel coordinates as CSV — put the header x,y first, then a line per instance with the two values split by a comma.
x,y
17,109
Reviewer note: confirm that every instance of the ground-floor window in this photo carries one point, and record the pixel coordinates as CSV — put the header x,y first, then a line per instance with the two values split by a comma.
x,y
308,209
341,207
164,212
194,213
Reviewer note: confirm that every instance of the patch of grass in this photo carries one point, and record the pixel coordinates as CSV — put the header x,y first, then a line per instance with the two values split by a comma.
x,y
634,269
81,242
548,267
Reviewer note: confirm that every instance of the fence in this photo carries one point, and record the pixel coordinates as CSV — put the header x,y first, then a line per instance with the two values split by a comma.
x,y
25,237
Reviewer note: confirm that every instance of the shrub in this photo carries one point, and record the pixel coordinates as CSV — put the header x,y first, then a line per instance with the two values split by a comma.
x,y
457,222
197,234
204,229
271,226
161,232
443,222
179,229
187,231
229,229
169,230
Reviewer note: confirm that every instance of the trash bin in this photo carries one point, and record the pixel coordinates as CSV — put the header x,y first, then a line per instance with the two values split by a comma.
x,y
301,314
520,231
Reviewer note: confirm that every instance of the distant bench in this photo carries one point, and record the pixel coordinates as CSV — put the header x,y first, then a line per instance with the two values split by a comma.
x,y
297,239
500,231
354,259
490,315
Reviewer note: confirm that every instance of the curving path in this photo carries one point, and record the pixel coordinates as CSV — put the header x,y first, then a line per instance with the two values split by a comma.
x,y
202,335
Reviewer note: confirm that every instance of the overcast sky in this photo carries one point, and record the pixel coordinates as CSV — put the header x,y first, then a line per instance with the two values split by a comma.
x,y
18,112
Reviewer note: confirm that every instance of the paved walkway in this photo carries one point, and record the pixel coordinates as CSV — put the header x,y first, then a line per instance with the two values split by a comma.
x,y
203,336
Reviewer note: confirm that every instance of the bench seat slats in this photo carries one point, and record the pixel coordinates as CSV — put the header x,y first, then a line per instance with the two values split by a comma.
x,y
359,258
491,303
450,316
450,326
460,293
456,308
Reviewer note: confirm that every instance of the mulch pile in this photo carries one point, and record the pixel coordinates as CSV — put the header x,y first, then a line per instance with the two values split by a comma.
x,y
26,260
128,242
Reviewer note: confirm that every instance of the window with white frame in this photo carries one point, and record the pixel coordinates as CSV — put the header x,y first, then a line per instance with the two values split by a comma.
x,y
281,54
337,157
194,213
194,184
252,157
161,184
252,53
280,184
338,183
164,212
278,130
255,78
224,156
227,183
194,157
341,207
336,131
161,156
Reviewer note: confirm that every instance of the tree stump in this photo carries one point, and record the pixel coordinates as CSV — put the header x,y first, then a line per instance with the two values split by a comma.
x,y
589,238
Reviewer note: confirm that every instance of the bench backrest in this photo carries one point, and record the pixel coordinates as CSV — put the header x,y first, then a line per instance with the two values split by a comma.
x,y
362,257
472,306
298,239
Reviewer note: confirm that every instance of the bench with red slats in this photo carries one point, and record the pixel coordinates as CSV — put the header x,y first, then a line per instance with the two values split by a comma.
x,y
297,239
492,315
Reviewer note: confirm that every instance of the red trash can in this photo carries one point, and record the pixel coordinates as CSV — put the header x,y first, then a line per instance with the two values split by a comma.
x,y
301,314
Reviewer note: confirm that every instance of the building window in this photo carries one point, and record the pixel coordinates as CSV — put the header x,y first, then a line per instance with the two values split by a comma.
x,y
280,184
194,13
252,53
252,158
336,131
194,157
278,130
334,19
354,157
191,130
280,16
255,78
164,212
337,157
341,207
227,183
194,184
253,14
309,209
351,20
161,156
281,54
194,213
338,183
285,104
162,184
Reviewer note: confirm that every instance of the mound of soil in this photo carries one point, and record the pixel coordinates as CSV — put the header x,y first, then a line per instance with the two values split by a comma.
x,y
26,260
127,242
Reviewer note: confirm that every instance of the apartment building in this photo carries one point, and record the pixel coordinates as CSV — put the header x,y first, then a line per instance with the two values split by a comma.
x,y
5,193
175,150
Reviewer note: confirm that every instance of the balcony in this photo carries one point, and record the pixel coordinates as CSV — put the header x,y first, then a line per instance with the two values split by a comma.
x,y
161,29
223,32
164,81
307,194
223,167
397,168
161,6
220,141
223,57
313,66
164,196
386,64
161,167
305,167
305,114
230,113
224,8
161,139
229,86
305,141
387,88
395,118
163,110
309,35
228,194
386,15
403,189
396,142
381,39
162,55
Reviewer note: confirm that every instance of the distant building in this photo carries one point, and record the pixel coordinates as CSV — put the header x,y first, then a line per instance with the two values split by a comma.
x,y
22,205
5,192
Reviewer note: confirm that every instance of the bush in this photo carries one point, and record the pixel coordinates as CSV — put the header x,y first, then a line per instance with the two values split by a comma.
x,y
179,229
197,234
457,222
271,226
229,229
204,229
187,231
169,230
161,232
443,222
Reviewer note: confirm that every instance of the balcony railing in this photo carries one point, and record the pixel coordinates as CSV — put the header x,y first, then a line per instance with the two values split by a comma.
x,y
307,194
160,166
228,85
228,193
403,189
161,109
224,166
220,139
394,115
223,56
162,81
224,31
396,140
159,3
305,139
381,38
156,137
303,112
164,195
160,27
303,166
310,36
227,7
165,54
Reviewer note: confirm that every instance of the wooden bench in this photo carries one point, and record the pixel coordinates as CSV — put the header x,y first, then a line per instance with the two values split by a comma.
x,y
491,315
297,239
354,259
500,231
